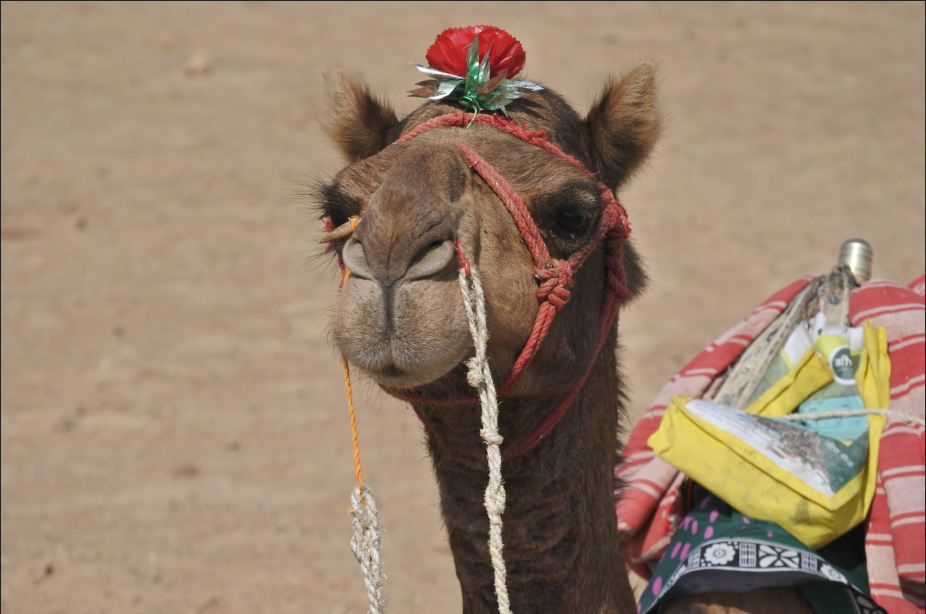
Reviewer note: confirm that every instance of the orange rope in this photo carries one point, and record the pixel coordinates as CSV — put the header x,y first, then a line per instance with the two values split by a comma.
x,y
350,394
353,419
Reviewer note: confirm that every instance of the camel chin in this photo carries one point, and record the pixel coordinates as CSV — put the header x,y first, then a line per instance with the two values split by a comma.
x,y
404,335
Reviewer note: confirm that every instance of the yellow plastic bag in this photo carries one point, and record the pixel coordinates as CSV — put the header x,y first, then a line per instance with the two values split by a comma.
x,y
873,375
816,355
769,469
816,478
857,358
795,373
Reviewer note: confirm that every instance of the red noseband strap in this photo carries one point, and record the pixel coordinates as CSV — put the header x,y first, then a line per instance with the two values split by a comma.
x,y
553,275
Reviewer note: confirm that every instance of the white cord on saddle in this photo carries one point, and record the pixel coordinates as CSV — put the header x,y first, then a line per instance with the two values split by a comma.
x,y
480,377
843,413
365,544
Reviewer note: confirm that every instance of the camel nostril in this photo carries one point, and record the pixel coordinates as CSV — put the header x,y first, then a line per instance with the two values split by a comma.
x,y
355,259
434,258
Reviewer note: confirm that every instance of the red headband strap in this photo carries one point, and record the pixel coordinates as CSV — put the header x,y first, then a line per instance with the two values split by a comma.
x,y
552,274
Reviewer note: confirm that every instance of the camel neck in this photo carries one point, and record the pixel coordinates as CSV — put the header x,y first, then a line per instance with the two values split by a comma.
x,y
560,531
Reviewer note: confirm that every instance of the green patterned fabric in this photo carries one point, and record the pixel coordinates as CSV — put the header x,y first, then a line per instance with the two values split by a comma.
x,y
718,549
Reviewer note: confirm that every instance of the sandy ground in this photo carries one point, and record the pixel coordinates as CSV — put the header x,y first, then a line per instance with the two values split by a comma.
x,y
174,433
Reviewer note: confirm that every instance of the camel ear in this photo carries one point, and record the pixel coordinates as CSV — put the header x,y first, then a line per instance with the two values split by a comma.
x,y
359,121
623,125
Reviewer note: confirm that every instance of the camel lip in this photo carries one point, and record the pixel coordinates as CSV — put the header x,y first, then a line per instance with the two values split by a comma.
x,y
395,377
391,371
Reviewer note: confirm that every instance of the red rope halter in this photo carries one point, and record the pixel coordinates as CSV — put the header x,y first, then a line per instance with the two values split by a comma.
x,y
553,275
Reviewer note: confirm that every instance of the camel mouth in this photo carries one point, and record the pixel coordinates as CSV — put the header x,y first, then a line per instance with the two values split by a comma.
x,y
393,376
407,334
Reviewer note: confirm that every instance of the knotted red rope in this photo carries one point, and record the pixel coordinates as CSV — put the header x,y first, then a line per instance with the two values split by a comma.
x,y
553,275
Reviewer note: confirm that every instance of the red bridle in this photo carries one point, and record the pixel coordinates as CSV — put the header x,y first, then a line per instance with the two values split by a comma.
x,y
552,274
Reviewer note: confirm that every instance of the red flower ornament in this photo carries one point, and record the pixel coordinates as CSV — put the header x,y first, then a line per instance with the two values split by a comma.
x,y
448,53
472,65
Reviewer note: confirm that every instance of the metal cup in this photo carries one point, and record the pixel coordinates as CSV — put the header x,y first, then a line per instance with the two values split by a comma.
x,y
857,254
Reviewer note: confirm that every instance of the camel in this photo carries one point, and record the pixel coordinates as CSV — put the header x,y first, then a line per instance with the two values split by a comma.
x,y
401,321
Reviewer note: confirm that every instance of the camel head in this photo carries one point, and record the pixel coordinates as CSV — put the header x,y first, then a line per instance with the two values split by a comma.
x,y
400,317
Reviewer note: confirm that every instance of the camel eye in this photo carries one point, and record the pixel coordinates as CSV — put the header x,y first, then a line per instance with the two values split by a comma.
x,y
570,222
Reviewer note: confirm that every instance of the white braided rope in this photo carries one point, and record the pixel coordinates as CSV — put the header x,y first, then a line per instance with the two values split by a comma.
x,y
365,544
480,377
842,413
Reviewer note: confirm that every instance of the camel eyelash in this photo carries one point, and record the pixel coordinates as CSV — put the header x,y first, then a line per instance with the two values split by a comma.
x,y
335,204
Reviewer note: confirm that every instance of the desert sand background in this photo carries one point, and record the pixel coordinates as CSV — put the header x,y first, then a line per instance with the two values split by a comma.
x,y
174,431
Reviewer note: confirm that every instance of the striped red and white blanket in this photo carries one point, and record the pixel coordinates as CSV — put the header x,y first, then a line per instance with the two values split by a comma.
x,y
650,508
